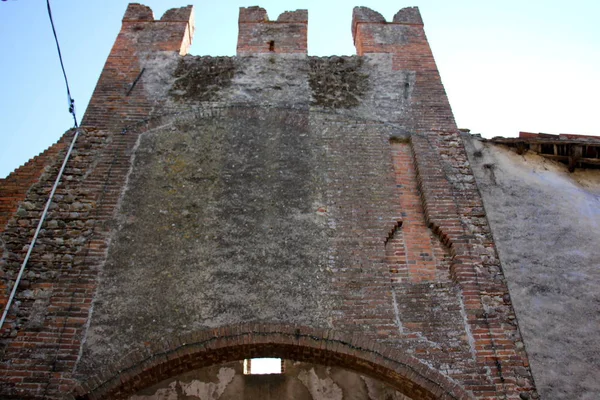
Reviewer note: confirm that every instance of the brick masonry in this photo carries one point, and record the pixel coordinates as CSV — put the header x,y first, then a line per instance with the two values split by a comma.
x,y
46,326
322,209
268,340
288,34
14,187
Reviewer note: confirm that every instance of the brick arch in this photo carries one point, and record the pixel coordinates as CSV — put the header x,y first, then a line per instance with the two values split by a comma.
x,y
320,346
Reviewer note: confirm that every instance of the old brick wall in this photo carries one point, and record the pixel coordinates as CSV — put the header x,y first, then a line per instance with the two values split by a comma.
x,y
14,187
288,34
46,326
325,203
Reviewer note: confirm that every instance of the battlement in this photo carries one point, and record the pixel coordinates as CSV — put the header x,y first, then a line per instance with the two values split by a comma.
x,y
176,28
257,34
373,34
287,34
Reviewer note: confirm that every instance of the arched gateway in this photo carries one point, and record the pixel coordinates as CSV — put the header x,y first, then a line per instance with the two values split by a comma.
x,y
216,346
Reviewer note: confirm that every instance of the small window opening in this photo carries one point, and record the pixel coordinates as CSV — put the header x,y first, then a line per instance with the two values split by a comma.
x,y
547,148
406,90
262,366
272,45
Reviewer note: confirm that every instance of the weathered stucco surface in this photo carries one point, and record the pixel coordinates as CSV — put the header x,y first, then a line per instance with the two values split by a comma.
x,y
222,223
546,224
301,381
267,193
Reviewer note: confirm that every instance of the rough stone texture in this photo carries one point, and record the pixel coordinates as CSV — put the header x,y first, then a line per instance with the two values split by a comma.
x,y
178,14
365,14
298,15
270,81
337,82
138,12
225,208
238,200
301,381
13,188
546,223
202,81
408,15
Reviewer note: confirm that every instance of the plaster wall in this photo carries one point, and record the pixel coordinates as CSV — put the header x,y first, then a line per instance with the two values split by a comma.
x,y
546,225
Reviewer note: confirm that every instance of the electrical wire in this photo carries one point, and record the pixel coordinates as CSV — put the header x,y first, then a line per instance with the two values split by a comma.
x,y
37,231
56,182
71,100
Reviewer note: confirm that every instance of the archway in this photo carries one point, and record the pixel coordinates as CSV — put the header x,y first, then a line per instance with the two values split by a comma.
x,y
320,346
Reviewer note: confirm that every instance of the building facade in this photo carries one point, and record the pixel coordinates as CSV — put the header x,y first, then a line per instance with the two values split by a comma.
x,y
322,210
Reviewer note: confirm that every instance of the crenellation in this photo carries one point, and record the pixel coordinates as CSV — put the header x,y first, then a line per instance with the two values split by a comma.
x,y
258,35
293,16
178,14
408,15
138,12
252,14
366,15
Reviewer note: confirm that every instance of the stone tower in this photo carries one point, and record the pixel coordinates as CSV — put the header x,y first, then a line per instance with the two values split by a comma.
x,y
272,204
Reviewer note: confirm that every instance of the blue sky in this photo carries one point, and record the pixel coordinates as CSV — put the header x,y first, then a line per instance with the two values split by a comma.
x,y
506,65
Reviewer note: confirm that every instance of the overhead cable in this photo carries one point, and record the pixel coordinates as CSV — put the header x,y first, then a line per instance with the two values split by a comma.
x,y
71,100
54,187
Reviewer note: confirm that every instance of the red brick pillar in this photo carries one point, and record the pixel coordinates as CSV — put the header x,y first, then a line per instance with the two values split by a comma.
x,y
117,95
405,39
372,34
259,35
439,176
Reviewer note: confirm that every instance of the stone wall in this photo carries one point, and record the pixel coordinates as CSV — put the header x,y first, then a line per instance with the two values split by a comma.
x,y
270,204
14,187
546,222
